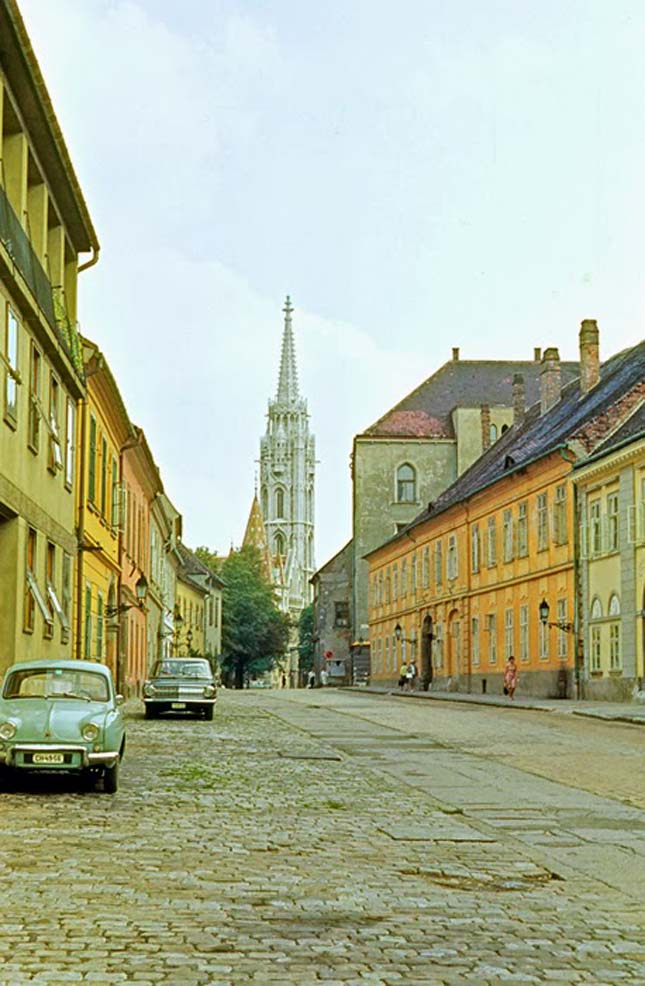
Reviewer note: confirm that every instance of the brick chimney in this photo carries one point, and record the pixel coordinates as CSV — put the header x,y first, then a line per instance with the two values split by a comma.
x,y
549,379
537,354
455,353
589,355
485,417
519,399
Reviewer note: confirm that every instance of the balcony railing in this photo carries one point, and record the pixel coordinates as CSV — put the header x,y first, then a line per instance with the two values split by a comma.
x,y
50,301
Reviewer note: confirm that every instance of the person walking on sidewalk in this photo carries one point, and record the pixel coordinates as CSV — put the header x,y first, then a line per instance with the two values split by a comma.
x,y
403,673
411,676
511,676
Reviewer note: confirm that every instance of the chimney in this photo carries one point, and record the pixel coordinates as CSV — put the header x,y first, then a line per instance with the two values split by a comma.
x,y
537,354
549,379
519,399
485,417
455,353
589,358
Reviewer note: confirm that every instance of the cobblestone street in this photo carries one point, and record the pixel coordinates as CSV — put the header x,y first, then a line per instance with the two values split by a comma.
x,y
324,836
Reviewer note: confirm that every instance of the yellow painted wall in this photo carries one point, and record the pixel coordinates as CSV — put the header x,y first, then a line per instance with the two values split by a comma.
x,y
190,603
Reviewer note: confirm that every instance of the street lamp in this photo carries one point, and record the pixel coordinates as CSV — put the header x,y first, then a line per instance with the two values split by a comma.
x,y
141,590
566,627
189,641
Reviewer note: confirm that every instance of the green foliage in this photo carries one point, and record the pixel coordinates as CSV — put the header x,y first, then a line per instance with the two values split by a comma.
x,y
210,558
306,638
255,632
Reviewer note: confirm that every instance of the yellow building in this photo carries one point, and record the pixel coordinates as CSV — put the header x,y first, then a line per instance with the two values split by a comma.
x,y
610,489
44,227
488,570
104,431
191,602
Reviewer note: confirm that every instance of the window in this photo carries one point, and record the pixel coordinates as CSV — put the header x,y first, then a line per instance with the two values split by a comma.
x,y
66,602
12,375
279,503
595,649
438,646
380,589
509,634
278,543
543,521
492,638
104,476
395,582
562,634
404,577
114,518
492,542
507,535
99,627
452,557
615,657
91,464
30,605
595,528
70,429
33,434
544,641
87,637
612,522
524,633
560,515
54,454
425,568
493,433
522,531
406,484
50,578
387,653
474,548
438,563
413,574
341,614
475,640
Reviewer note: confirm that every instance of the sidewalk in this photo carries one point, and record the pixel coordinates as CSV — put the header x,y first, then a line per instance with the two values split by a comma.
x,y
631,712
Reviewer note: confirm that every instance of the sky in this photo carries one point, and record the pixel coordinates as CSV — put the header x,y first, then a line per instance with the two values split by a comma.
x,y
417,175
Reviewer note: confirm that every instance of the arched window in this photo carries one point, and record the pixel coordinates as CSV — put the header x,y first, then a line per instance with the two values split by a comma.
x,y
596,610
615,649
614,606
493,433
406,483
278,543
504,428
279,503
594,641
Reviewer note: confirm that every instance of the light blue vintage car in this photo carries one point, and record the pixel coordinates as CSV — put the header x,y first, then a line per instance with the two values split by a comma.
x,y
62,715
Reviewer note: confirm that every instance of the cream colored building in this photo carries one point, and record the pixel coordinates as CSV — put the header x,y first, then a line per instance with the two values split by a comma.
x,y
610,488
44,228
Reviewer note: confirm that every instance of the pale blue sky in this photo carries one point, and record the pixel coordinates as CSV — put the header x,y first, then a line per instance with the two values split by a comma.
x,y
416,175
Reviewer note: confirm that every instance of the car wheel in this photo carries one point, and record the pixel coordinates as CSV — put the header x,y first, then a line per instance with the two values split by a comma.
x,y
150,712
111,779
208,713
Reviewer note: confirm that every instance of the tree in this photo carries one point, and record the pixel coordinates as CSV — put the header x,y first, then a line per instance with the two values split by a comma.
x,y
254,631
210,558
306,638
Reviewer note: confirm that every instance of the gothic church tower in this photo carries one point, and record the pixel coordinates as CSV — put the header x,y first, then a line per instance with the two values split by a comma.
x,y
287,467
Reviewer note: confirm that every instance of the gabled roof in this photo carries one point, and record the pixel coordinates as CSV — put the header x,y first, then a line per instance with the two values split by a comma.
x,y
578,421
427,411
632,430
194,568
332,564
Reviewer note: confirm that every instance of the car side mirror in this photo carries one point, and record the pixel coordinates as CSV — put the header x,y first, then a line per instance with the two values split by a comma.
x,y
120,700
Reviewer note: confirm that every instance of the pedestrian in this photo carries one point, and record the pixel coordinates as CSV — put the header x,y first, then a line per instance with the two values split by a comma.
x,y
311,681
283,680
324,677
411,676
511,676
403,675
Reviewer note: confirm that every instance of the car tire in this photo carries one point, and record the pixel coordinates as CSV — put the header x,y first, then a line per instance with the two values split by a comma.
x,y
208,713
150,712
111,778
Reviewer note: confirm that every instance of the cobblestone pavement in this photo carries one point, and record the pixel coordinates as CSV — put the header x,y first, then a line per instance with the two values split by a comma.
x,y
308,837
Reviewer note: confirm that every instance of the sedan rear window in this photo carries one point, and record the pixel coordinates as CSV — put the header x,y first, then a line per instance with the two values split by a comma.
x,y
57,683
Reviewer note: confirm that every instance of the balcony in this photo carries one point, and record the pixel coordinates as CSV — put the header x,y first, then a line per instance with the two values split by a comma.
x,y
50,301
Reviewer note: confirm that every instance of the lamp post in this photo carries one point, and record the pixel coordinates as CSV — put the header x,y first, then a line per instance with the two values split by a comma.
x,y
141,591
398,633
566,627
189,642
178,622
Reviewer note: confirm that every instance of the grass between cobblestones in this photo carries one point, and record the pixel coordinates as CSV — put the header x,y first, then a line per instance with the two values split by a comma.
x,y
243,850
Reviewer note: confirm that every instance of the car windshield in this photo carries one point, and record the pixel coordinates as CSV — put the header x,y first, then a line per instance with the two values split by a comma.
x,y
57,683
182,669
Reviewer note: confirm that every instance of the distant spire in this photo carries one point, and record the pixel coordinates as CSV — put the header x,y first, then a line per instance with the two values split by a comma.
x,y
255,536
288,382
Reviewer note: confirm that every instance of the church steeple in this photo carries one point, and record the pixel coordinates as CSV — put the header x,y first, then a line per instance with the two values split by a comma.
x,y
288,381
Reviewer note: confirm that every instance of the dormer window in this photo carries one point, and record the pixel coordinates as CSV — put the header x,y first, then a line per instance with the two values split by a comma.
x,y
406,484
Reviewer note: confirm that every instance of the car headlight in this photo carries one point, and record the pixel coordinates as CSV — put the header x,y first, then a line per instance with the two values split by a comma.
x,y
7,730
90,731
209,691
148,689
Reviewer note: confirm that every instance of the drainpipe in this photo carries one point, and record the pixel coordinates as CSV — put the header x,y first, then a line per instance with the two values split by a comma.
x,y
94,259
80,533
578,620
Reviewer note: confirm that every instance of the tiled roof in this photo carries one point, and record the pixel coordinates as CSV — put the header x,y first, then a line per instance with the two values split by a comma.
x,y
634,428
426,412
575,420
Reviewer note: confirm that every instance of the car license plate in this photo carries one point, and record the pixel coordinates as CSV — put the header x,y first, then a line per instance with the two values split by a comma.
x,y
48,758
178,705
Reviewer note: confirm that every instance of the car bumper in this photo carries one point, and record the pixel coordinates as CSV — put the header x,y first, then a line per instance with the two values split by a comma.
x,y
178,703
79,757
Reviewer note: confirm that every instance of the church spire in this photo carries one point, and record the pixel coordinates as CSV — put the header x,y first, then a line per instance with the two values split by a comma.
x,y
288,382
